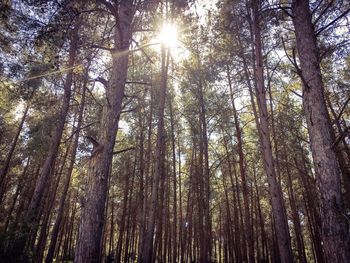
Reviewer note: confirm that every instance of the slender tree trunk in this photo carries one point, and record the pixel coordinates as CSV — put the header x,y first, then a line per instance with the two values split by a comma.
x,y
294,210
146,184
279,213
147,253
247,217
60,212
334,226
4,170
173,140
205,244
46,171
17,193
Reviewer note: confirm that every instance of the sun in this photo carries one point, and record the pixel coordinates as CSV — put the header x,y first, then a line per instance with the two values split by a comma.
x,y
168,35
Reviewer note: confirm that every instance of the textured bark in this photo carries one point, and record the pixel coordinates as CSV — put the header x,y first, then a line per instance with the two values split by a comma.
x,y
278,209
89,242
334,227
343,164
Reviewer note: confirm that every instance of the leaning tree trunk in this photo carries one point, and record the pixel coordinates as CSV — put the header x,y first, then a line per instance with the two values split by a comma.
x,y
33,212
334,227
4,170
278,209
60,212
89,242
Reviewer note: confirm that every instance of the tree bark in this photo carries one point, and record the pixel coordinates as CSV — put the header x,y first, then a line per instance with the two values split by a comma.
x,y
278,209
334,226
93,212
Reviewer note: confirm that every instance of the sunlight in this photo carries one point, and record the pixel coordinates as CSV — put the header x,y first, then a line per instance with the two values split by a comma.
x,y
168,35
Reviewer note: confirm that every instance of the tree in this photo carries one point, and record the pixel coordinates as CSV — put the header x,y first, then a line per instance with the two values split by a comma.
x,y
322,145
92,219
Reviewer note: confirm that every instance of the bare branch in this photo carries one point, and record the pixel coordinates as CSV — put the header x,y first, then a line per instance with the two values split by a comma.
x,y
342,109
81,128
319,31
143,51
108,5
323,11
124,150
103,81
139,83
104,48
340,137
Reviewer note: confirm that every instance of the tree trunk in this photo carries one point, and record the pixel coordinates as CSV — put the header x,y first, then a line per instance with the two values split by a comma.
x,y
173,140
147,252
278,209
60,212
4,170
93,212
205,244
242,169
334,227
33,213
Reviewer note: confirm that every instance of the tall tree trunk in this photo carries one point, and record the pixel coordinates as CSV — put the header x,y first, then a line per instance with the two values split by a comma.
x,y
147,252
334,226
242,169
19,189
343,164
173,142
294,210
205,244
5,168
93,212
60,212
33,213
278,209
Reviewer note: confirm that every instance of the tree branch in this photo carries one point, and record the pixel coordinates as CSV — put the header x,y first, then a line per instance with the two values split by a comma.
x,y
142,50
81,128
103,81
138,82
322,12
342,109
293,61
340,137
319,31
104,48
108,5
124,150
